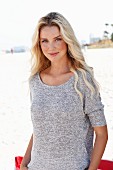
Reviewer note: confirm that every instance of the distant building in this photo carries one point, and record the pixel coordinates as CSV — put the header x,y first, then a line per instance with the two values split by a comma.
x,y
94,39
19,49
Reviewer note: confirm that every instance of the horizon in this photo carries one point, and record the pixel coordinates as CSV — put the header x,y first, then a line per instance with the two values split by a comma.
x,y
19,19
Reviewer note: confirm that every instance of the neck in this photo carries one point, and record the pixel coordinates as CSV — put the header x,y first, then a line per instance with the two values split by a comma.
x,y
59,68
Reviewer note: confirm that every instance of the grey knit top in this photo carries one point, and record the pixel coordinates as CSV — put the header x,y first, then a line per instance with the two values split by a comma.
x,y
62,124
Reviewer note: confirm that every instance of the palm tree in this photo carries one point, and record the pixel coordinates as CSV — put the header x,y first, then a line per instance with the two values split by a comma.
x,y
112,37
112,33
106,24
106,32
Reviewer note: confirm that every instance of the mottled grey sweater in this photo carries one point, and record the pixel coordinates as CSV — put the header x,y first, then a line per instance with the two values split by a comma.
x,y
63,125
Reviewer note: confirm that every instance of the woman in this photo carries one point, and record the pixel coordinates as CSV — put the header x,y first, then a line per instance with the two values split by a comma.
x,y
66,107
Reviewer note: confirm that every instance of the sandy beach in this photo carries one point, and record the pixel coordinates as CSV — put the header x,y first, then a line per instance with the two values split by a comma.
x,y
15,118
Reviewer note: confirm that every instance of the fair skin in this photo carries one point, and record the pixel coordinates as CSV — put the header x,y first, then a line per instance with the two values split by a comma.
x,y
99,146
55,49
27,155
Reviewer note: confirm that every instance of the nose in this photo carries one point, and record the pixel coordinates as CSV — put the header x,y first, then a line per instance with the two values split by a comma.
x,y
51,45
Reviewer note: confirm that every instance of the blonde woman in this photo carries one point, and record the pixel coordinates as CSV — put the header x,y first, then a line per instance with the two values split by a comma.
x,y
66,107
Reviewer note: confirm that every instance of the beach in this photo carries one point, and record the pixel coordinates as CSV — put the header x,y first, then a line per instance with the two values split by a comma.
x,y
15,118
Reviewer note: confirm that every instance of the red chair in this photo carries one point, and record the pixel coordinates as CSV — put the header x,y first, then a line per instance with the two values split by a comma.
x,y
18,160
106,165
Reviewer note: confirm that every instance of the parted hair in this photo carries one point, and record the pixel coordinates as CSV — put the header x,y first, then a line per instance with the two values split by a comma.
x,y
75,55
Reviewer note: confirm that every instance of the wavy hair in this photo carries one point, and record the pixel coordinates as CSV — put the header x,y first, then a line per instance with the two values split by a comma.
x,y
75,55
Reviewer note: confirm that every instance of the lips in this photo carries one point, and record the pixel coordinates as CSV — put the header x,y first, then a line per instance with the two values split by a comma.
x,y
53,54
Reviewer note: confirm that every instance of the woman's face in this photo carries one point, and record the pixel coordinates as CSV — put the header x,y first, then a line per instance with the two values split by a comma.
x,y
52,43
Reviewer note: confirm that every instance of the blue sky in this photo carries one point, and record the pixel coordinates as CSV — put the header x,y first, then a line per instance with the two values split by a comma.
x,y
18,18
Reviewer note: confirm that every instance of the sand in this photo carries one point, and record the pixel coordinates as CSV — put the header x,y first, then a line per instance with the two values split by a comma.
x,y
15,118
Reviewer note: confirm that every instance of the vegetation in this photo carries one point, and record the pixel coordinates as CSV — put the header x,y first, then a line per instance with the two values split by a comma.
x,y
112,33
112,37
106,33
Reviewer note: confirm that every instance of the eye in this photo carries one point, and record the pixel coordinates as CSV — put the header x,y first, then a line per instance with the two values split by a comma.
x,y
44,41
58,39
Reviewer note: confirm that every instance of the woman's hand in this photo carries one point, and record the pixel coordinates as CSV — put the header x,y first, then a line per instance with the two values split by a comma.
x,y
27,157
23,168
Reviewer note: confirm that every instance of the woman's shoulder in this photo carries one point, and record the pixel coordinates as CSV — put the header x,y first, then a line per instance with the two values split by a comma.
x,y
85,80
86,74
33,78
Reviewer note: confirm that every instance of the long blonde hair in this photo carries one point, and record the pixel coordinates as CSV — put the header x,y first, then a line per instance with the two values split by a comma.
x,y
40,62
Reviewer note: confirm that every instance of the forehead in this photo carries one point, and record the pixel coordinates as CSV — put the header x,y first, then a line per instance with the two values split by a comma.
x,y
49,31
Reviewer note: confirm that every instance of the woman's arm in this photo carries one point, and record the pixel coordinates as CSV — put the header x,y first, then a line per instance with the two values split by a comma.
x,y
27,156
99,146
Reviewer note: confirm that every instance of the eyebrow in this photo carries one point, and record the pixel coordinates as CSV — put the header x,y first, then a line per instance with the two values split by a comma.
x,y
53,38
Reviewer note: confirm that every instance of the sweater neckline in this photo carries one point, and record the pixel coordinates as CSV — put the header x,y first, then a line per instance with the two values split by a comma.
x,y
55,86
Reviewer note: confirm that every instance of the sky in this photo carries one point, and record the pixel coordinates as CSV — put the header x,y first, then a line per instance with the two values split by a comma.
x,y
18,18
